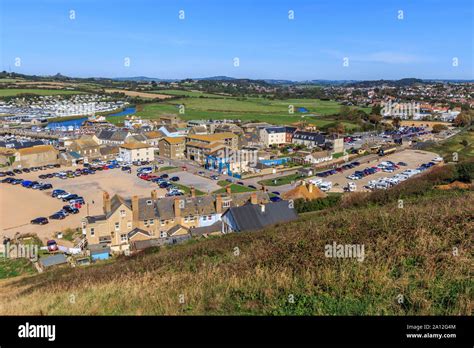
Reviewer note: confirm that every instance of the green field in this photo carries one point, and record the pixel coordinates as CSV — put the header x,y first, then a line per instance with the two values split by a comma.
x,y
8,92
178,92
245,109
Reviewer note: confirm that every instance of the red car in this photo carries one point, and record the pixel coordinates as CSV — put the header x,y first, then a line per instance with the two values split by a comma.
x,y
184,168
52,246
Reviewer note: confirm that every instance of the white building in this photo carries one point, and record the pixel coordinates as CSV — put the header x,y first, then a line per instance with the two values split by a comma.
x,y
132,152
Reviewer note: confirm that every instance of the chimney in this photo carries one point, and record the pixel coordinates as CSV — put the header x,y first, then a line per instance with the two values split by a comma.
x,y
106,199
193,192
253,198
154,194
262,208
135,211
177,208
218,204
228,189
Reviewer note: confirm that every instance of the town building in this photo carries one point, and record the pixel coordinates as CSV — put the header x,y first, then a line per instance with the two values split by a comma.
x,y
87,148
132,152
172,148
36,156
308,139
199,146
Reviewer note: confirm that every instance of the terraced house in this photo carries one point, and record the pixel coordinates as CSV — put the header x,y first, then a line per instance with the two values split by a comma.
x,y
126,221
199,146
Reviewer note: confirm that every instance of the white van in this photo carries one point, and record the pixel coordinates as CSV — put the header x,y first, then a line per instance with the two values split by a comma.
x,y
325,186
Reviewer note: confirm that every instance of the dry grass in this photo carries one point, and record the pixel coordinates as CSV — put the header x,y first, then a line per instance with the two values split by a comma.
x,y
408,251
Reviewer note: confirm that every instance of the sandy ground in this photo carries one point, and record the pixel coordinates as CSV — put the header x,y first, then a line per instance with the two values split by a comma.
x,y
19,205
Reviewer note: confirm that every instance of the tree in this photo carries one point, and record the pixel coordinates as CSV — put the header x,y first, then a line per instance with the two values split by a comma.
x,y
463,119
376,109
437,128
344,111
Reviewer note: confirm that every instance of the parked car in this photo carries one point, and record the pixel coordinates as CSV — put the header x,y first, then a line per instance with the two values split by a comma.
x,y
45,187
174,178
52,245
215,177
164,176
58,216
39,221
69,197
70,210
252,187
275,199
276,193
77,200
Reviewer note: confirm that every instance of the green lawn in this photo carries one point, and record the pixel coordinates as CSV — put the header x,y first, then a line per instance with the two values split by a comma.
x,y
167,168
245,109
12,92
282,180
235,189
223,183
15,267
187,190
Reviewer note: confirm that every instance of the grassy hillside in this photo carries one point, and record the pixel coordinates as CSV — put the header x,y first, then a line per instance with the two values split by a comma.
x,y
462,144
409,266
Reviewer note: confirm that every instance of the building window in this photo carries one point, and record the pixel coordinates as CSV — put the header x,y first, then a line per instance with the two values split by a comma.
x,y
151,222
226,204
92,232
117,226
123,237
122,213
145,222
129,224
163,234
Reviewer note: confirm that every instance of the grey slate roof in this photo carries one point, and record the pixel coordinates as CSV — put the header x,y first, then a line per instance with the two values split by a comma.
x,y
54,260
250,216
317,138
93,219
113,135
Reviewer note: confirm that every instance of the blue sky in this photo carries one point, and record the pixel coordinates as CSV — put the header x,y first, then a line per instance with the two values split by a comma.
x,y
268,44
